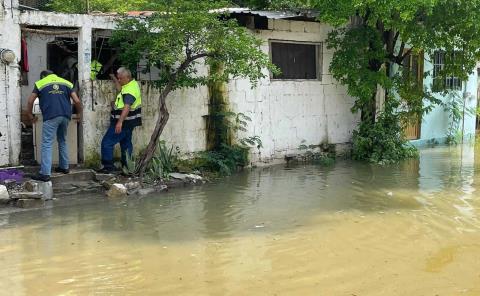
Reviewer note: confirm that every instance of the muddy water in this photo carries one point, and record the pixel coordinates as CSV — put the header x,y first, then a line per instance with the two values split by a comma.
x,y
349,229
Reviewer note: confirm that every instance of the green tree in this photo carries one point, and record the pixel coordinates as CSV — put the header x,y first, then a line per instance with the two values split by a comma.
x,y
80,6
373,39
180,37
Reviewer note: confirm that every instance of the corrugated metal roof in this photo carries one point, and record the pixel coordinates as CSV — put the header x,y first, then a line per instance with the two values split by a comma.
x,y
273,14
308,15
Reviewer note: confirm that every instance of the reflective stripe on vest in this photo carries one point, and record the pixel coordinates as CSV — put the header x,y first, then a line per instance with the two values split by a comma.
x,y
134,117
52,79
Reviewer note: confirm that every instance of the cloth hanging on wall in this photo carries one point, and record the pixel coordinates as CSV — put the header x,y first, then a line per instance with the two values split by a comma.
x,y
24,56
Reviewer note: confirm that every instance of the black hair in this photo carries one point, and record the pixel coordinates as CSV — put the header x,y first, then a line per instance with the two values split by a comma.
x,y
45,73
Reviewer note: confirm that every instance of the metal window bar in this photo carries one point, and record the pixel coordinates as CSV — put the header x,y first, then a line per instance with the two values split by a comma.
x,y
440,83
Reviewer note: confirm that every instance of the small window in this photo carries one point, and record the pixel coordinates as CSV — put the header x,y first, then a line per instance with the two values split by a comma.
x,y
296,60
440,82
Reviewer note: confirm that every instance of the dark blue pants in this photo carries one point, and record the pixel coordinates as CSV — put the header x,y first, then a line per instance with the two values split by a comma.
x,y
110,140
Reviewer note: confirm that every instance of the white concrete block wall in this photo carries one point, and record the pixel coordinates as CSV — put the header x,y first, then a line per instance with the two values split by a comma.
x,y
185,127
9,89
284,113
287,112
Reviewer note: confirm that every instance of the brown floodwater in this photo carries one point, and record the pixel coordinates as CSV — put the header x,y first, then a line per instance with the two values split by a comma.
x,y
347,229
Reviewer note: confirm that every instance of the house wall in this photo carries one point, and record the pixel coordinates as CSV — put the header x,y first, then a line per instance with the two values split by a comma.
x,y
9,87
435,123
284,113
185,127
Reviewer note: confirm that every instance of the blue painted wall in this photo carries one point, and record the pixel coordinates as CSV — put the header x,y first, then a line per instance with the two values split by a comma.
x,y
435,123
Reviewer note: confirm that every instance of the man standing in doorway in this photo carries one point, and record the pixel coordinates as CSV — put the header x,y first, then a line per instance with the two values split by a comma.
x,y
54,95
126,114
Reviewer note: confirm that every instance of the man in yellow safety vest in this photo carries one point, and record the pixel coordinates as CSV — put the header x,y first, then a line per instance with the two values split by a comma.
x,y
54,94
126,114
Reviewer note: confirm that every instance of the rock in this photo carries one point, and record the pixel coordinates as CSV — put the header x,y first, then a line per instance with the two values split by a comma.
x,y
4,195
161,188
106,185
132,185
178,176
31,186
27,195
29,203
194,178
145,191
117,190
103,177
44,187
10,183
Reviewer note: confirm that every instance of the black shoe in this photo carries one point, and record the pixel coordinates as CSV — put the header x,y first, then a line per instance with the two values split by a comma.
x,y
40,177
60,170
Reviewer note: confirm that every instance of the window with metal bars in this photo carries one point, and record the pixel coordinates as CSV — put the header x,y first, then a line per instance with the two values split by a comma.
x,y
440,81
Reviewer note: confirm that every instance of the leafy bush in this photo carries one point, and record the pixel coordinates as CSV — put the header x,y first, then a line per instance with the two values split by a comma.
x,y
220,162
382,142
320,154
164,161
131,165
456,110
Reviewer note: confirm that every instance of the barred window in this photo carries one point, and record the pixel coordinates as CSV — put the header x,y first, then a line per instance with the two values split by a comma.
x,y
440,82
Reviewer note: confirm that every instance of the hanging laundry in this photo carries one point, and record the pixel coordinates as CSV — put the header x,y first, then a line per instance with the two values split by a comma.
x,y
24,56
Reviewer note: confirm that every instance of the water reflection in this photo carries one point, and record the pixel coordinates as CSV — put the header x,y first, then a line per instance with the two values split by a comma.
x,y
285,229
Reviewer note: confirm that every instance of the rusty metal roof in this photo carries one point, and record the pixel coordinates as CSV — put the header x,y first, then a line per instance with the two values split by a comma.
x,y
307,14
294,15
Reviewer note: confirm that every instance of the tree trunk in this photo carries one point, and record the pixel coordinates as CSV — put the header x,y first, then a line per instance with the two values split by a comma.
x,y
369,110
159,126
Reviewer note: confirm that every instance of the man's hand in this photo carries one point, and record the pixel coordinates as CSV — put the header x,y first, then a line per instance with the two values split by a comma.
x,y
118,127
30,101
32,118
79,117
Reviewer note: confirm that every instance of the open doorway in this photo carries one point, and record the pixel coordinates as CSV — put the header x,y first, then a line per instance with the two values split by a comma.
x,y
55,49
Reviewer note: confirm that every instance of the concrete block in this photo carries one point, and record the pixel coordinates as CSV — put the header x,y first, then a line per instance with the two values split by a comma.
x,y
27,195
45,188
83,175
282,25
297,27
311,27
4,195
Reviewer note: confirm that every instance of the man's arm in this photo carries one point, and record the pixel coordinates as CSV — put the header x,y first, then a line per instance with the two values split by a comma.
x,y
118,86
31,100
118,126
78,104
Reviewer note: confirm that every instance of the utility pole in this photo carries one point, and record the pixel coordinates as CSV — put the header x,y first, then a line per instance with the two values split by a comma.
x,y
88,6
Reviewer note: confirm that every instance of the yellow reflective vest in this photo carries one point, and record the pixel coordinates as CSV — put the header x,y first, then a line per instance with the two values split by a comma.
x,y
134,117
95,66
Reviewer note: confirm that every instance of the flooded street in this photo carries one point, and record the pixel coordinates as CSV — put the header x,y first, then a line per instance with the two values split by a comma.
x,y
348,229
